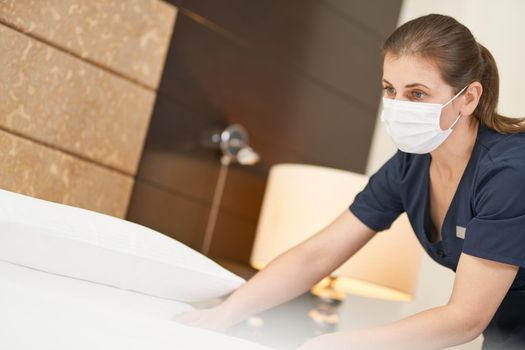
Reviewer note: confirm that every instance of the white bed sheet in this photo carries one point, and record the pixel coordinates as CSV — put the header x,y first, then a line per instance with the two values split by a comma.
x,y
43,311
48,286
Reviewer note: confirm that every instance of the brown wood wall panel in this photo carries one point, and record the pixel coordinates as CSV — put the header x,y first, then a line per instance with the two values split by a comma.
x,y
377,17
39,171
233,237
243,184
175,159
176,216
129,37
303,76
315,39
64,102
280,109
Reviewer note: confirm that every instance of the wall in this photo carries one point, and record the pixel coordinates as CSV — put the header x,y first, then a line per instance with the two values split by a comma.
x,y
490,22
77,88
301,76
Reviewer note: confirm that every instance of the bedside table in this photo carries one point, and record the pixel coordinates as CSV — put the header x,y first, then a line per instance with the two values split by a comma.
x,y
282,327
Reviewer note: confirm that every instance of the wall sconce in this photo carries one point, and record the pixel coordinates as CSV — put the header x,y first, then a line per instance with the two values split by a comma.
x,y
233,142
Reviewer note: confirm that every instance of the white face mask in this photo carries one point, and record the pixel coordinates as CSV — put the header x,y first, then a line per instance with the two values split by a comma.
x,y
414,126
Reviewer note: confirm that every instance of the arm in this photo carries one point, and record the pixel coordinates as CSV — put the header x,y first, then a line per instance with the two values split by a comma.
x,y
479,287
298,269
290,274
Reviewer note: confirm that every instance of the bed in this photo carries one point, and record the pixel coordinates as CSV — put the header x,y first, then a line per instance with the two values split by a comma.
x,y
75,279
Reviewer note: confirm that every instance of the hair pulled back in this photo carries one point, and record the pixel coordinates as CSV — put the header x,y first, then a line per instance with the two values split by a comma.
x,y
460,60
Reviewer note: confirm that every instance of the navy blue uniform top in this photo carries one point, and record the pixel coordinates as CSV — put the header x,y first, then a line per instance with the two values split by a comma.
x,y
486,217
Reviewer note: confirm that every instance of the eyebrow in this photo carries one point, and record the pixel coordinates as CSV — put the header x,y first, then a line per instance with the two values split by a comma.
x,y
409,85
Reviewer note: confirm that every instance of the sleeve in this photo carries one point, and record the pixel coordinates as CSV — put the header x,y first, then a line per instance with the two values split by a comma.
x,y
379,203
497,230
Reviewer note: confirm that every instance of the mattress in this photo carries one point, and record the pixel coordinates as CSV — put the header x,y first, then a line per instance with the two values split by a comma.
x,y
40,310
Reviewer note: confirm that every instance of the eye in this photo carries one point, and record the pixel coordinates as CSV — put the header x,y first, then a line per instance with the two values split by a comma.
x,y
389,91
418,94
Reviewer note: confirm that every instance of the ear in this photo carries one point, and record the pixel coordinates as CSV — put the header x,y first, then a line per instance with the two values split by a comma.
x,y
472,95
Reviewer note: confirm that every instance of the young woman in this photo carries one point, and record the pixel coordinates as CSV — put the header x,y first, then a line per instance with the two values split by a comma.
x,y
459,174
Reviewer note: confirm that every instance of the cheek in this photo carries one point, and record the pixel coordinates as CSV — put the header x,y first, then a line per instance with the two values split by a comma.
x,y
448,116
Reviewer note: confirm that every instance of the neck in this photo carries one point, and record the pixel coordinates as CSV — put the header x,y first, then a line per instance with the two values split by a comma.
x,y
455,152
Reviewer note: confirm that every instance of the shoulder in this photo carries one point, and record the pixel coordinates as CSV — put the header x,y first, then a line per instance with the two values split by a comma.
x,y
407,165
500,183
501,153
402,169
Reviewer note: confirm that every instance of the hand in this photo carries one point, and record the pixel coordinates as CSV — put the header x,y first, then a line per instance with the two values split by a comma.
x,y
330,341
213,319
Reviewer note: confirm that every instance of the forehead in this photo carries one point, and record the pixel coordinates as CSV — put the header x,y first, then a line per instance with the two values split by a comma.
x,y
409,69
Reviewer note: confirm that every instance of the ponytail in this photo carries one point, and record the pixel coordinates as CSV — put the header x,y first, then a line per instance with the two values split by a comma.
x,y
486,110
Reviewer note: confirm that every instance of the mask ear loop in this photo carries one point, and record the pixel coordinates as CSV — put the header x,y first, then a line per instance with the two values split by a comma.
x,y
452,99
459,116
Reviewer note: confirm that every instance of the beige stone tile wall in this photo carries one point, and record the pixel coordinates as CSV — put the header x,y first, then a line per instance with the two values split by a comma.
x,y
77,89
43,172
69,104
127,36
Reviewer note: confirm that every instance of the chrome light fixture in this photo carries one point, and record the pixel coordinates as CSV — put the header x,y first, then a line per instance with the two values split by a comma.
x,y
233,142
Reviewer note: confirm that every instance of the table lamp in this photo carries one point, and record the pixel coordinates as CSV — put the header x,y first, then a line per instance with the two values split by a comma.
x,y
299,201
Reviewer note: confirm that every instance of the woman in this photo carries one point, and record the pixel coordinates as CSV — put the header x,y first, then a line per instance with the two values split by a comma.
x,y
459,174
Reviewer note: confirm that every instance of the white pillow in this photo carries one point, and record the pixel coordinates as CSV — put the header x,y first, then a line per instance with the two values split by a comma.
x,y
100,248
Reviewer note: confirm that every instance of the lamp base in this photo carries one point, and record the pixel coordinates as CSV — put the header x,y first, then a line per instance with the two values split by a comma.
x,y
325,314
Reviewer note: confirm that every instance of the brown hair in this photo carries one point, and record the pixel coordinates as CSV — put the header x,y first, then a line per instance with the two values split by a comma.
x,y
460,59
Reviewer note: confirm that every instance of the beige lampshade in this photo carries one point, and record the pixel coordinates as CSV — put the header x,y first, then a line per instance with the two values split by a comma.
x,y
300,200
